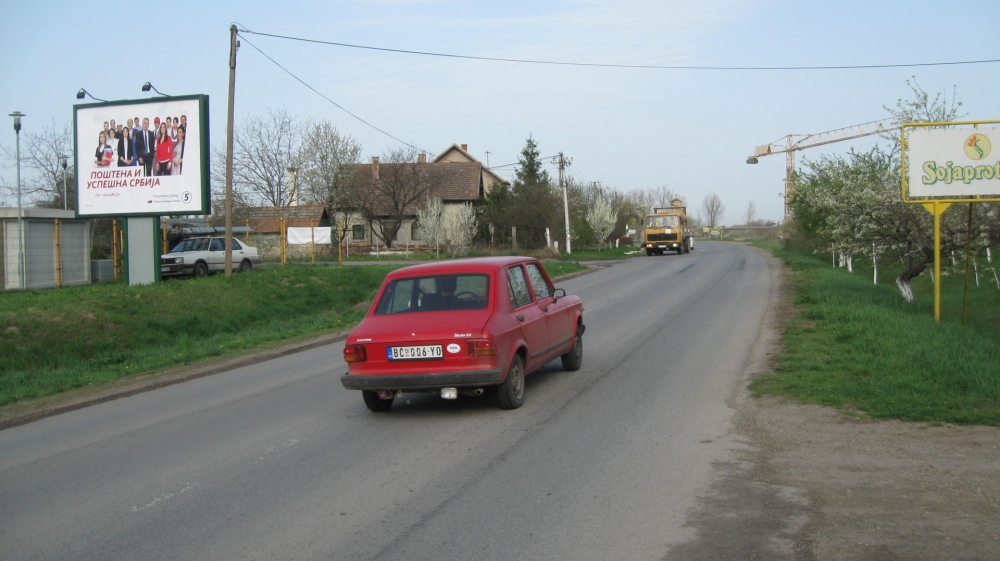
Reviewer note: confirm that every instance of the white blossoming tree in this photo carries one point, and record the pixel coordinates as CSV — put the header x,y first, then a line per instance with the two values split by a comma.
x,y
602,218
430,220
460,226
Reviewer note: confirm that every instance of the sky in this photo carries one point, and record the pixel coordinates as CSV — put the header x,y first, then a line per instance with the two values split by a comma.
x,y
689,130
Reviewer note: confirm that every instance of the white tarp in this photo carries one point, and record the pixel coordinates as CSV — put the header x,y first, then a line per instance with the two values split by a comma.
x,y
306,235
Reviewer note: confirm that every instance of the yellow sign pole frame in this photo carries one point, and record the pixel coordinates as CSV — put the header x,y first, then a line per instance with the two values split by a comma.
x,y
937,206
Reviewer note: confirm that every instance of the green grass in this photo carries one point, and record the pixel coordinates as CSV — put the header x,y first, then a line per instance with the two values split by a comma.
x,y
52,341
858,346
56,340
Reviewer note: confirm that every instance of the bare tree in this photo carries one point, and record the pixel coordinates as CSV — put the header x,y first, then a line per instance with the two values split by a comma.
x,y
264,147
391,194
41,169
325,154
713,207
750,213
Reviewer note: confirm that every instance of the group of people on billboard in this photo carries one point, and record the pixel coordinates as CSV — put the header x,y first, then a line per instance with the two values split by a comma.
x,y
160,150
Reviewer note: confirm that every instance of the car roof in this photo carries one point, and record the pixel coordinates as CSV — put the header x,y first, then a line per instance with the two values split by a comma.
x,y
466,265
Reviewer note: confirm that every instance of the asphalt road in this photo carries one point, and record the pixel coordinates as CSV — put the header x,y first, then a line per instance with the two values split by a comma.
x,y
278,461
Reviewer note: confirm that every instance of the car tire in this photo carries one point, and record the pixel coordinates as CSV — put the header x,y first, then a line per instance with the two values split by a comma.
x,y
245,265
200,270
510,394
375,403
573,360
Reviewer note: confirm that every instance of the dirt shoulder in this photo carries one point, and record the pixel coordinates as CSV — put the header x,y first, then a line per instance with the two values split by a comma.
x,y
810,482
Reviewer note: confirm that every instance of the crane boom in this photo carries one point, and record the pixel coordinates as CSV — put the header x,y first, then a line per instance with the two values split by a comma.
x,y
792,143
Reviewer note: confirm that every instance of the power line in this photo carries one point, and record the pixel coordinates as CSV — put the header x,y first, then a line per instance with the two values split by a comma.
x,y
339,106
626,66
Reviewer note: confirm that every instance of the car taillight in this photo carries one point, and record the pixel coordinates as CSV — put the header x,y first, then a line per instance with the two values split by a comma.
x,y
481,347
355,353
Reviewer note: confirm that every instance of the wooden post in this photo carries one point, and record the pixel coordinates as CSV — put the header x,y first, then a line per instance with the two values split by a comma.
x,y
281,234
513,238
312,235
248,231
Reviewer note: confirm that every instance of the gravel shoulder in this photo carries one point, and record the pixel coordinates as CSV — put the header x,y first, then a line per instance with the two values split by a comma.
x,y
810,482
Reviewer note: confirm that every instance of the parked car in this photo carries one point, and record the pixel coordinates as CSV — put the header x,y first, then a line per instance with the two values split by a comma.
x,y
206,255
462,326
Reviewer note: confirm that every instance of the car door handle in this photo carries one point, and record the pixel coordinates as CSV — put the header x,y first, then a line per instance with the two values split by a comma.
x,y
520,317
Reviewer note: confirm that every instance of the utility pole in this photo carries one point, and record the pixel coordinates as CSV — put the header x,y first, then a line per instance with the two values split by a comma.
x,y
563,162
65,166
234,45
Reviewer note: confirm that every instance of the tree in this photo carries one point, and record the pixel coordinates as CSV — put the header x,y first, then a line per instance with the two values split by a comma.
x,y
460,226
602,218
853,205
391,196
713,208
535,203
430,220
750,213
325,155
264,148
42,173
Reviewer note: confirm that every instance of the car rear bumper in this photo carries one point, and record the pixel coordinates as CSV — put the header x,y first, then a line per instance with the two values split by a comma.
x,y
476,378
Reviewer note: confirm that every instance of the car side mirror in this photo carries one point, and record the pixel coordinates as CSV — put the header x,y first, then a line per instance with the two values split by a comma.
x,y
559,293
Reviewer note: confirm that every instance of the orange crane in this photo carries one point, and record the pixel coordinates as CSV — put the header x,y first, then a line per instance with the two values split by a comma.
x,y
795,142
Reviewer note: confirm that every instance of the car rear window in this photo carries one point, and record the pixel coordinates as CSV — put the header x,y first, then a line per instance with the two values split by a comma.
x,y
434,294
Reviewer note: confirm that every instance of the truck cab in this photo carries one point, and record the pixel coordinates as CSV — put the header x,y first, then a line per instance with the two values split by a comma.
x,y
667,229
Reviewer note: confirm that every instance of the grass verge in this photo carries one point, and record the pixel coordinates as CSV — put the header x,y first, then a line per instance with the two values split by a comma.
x,y
859,346
53,341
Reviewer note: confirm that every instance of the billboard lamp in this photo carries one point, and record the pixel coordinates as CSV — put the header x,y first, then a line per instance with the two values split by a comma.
x,y
147,86
80,95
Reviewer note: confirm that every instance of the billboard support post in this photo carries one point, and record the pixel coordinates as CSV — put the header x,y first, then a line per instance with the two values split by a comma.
x,y
949,167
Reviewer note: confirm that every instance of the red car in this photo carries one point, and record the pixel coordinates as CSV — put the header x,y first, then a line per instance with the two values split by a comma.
x,y
462,326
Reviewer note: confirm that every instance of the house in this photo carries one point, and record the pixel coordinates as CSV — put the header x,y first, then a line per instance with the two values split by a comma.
x,y
265,225
454,176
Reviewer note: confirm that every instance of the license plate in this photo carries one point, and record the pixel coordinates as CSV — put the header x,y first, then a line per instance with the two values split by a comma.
x,y
164,269
418,352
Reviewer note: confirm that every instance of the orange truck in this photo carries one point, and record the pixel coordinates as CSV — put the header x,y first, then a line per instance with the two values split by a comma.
x,y
667,229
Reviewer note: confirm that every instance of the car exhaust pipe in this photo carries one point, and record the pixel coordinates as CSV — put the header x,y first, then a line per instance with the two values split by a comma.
x,y
472,392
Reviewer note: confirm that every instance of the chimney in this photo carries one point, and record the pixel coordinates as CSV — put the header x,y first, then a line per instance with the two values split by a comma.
x,y
465,147
375,167
422,159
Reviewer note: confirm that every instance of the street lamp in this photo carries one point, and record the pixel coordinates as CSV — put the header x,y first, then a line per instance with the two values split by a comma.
x,y
147,86
65,164
20,237
82,93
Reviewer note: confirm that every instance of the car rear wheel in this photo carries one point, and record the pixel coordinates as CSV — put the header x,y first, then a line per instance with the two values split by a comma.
x,y
200,270
510,394
376,403
573,360
245,266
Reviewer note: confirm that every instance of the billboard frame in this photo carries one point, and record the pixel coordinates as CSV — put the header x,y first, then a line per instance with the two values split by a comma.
x,y
905,175
205,152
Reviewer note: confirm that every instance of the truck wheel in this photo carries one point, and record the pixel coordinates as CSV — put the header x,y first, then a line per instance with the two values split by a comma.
x,y
374,402
200,270
649,253
510,394
573,360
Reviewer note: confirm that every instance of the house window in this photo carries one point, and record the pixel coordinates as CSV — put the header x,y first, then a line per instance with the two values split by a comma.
x,y
358,232
415,230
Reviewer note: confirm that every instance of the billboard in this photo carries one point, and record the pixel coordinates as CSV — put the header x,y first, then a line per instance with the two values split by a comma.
x,y
951,163
142,157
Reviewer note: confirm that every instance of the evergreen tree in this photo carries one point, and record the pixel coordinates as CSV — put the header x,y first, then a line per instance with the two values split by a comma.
x,y
534,201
